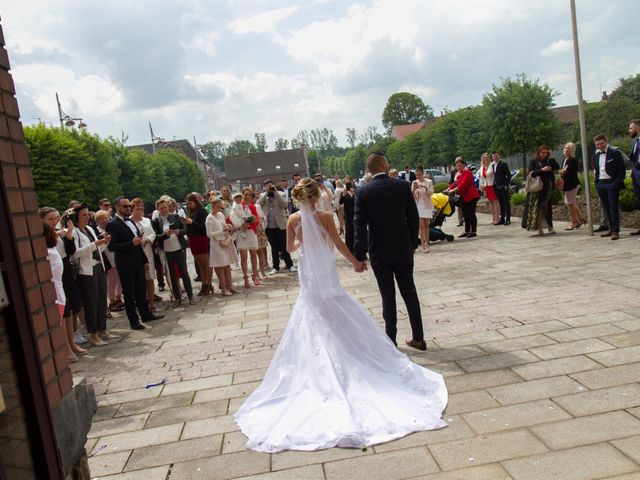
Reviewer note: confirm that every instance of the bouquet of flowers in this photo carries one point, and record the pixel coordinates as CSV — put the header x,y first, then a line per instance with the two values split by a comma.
x,y
250,219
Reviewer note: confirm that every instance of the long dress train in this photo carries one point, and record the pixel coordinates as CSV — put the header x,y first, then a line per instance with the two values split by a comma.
x,y
336,379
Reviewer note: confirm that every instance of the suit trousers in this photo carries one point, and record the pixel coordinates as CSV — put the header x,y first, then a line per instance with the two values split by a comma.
x,y
134,290
178,259
403,273
635,180
278,241
505,204
348,232
93,290
609,195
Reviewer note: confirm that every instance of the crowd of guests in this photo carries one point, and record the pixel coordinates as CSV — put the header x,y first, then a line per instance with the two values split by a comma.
x,y
112,260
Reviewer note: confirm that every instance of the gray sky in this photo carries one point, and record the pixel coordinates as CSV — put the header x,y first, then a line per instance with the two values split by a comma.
x,y
223,70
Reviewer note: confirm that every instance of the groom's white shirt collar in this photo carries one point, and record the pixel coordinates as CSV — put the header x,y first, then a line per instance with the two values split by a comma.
x,y
379,174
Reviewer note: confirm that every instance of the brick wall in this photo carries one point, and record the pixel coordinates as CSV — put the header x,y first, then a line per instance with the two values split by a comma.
x,y
26,227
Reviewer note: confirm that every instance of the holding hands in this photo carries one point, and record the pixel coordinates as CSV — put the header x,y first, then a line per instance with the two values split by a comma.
x,y
359,267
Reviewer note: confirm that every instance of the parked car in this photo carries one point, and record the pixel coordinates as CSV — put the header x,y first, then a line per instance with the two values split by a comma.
x,y
437,176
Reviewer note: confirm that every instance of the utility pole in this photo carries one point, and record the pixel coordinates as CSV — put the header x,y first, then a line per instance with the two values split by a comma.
x,y
153,145
60,116
583,128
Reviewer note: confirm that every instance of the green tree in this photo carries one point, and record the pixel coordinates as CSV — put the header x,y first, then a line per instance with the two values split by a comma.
x,y
610,117
282,144
301,140
261,142
214,152
519,116
352,137
240,147
629,88
405,108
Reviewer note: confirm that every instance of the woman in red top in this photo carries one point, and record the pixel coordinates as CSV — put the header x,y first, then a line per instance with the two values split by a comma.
x,y
463,186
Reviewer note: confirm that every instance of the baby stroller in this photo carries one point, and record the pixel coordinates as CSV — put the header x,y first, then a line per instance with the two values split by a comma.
x,y
442,208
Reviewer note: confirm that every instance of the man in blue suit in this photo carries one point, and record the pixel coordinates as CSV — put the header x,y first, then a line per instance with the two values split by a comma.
x,y
609,169
386,225
634,132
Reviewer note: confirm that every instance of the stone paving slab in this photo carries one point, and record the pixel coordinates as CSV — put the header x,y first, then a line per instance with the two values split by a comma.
x,y
543,383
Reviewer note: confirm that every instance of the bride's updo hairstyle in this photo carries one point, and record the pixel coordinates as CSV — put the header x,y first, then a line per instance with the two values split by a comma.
x,y
305,191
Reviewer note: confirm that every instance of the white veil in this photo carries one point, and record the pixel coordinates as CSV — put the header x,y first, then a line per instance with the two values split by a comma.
x,y
317,271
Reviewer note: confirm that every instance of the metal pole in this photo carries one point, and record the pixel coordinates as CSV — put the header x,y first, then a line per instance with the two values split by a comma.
x,y
583,128
153,145
59,110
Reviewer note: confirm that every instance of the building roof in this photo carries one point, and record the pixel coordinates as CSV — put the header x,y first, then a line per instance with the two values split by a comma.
x,y
567,114
271,164
400,132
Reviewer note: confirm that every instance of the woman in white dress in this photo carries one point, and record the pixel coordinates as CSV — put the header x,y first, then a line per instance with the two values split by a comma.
x,y
336,379
148,237
422,189
222,251
244,218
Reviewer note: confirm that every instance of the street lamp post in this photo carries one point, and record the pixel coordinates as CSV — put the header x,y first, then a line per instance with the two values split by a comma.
x,y
67,120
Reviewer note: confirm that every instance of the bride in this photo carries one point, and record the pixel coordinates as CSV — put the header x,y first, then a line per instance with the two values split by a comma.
x,y
336,379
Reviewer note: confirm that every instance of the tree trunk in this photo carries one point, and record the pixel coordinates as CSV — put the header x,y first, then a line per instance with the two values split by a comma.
x,y
524,164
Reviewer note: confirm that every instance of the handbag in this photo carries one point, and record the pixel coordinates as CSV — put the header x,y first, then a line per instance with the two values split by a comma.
x,y
533,185
225,242
560,183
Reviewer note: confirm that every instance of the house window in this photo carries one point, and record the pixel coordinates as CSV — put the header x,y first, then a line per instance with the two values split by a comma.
x,y
296,164
259,169
277,167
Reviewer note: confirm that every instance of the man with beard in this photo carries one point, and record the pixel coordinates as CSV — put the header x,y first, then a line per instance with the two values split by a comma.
x,y
634,131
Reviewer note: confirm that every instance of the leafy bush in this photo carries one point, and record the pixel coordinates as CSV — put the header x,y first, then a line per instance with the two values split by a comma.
x,y
628,200
440,187
518,198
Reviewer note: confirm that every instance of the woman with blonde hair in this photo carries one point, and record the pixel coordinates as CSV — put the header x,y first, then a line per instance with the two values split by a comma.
x,y
571,185
148,237
422,189
335,373
486,178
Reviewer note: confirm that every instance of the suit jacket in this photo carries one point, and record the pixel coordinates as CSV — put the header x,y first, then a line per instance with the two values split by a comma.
x,y
386,207
614,166
127,255
279,208
502,177
635,153
174,219
403,175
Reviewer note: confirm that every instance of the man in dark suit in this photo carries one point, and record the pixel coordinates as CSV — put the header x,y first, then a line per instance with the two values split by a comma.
x,y
634,132
126,243
407,174
385,206
502,179
609,169
295,178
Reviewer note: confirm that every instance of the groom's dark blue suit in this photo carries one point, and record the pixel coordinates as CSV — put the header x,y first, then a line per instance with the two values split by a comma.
x,y
386,224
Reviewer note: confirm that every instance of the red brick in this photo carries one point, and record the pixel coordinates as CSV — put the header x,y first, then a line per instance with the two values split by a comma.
x,y
39,247
4,127
66,382
10,176
61,360
25,253
44,346
20,153
15,129
10,105
30,199
44,271
48,369
25,176
6,152
20,229
15,200
48,292
58,338
4,59
35,225
40,323
35,299
30,275
53,392
6,83
53,316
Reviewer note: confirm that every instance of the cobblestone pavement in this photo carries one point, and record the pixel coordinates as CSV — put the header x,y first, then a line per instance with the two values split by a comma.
x,y
538,338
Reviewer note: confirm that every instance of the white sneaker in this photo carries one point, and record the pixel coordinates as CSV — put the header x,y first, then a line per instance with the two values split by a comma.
x,y
293,269
274,272
78,338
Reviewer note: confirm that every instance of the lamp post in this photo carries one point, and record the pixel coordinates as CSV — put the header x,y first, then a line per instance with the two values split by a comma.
x,y
67,120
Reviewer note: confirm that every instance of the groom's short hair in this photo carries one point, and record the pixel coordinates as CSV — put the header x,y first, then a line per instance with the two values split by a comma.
x,y
377,162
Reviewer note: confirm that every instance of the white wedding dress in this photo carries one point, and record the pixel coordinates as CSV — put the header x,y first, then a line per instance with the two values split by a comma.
x,y
336,379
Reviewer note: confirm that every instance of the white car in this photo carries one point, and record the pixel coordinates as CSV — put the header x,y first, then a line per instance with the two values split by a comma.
x,y
438,176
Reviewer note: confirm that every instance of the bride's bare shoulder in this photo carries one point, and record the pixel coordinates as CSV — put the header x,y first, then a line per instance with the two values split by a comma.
x,y
294,219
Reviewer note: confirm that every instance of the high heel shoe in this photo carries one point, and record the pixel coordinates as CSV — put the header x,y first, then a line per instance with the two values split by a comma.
x,y
256,280
233,290
246,282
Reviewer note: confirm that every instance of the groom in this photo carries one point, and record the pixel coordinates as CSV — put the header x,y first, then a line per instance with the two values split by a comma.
x,y
385,206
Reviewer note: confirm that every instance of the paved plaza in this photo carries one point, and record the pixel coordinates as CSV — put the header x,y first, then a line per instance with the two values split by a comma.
x,y
538,339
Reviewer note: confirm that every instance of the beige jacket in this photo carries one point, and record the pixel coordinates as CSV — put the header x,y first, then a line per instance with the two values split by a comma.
x,y
280,207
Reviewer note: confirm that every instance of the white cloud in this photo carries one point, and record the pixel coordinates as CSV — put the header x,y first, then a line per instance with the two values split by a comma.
x,y
556,48
263,22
